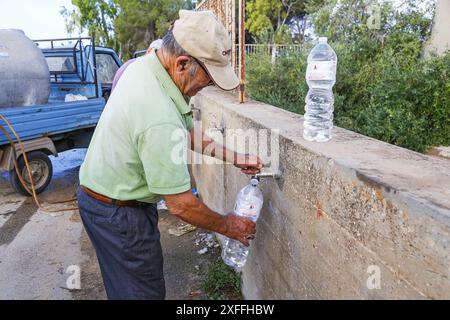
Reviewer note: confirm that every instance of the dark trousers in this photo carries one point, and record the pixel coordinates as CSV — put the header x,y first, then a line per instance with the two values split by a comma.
x,y
127,243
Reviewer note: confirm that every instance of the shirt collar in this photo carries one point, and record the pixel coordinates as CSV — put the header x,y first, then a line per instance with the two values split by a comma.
x,y
168,84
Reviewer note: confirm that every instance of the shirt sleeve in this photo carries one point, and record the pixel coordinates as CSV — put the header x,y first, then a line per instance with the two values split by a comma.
x,y
163,153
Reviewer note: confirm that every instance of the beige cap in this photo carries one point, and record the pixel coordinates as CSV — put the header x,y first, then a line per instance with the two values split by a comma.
x,y
202,36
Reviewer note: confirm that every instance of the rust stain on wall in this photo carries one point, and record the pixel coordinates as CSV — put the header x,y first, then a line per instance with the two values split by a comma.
x,y
379,195
318,210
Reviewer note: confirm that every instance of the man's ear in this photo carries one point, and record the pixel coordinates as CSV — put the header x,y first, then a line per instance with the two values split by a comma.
x,y
182,63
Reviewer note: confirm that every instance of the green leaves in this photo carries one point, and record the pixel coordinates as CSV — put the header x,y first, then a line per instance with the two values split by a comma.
x,y
125,25
221,282
281,84
95,16
276,21
142,21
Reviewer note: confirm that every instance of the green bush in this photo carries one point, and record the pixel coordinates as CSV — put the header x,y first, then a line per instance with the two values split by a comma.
x,y
384,88
403,102
221,282
281,84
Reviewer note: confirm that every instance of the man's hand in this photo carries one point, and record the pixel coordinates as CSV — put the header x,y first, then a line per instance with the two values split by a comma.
x,y
248,163
191,210
239,228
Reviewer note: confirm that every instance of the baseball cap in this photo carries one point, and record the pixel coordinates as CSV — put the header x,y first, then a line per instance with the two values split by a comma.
x,y
203,37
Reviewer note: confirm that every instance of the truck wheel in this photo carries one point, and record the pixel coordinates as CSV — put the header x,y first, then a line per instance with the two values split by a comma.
x,y
41,171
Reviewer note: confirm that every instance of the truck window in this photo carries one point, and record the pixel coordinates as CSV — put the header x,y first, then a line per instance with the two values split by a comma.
x,y
61,64
106,67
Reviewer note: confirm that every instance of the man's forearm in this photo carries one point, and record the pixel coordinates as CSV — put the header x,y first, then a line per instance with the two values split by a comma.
x,y
191,210
202,143
222,153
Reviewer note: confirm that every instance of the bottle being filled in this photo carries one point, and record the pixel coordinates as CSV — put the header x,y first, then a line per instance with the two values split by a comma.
x,y
320,77
249,202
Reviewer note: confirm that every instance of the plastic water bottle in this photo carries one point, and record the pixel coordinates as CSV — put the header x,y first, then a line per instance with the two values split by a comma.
x,y
249,202
320,76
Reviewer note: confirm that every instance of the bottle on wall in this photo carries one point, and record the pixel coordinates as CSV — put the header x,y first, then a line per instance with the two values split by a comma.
x,y
320,77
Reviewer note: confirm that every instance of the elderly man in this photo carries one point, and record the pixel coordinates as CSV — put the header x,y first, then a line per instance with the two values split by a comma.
x,y
132,161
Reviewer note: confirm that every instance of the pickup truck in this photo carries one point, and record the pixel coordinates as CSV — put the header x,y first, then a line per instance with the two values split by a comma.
x,y
78,69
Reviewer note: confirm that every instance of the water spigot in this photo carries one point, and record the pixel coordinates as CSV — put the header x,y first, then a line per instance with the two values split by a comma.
x,y
275,175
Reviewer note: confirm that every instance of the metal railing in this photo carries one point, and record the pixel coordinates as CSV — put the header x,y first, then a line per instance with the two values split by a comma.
x,y
271,49
274,51
225,10
85,46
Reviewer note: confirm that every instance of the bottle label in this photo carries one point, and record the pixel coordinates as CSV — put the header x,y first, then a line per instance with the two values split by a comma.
x,y
321,70
250,211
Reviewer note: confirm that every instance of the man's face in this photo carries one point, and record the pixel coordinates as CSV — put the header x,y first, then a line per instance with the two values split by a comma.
x,y
190,76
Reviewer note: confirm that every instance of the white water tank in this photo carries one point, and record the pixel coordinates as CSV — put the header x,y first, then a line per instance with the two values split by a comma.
x,y
24,74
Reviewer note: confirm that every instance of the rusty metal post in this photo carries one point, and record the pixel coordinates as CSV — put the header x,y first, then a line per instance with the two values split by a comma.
x,y
241,50
231,15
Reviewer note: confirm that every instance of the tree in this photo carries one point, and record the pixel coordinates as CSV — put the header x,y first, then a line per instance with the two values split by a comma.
x,y
140,22
349,20
95,16
125,25
278,20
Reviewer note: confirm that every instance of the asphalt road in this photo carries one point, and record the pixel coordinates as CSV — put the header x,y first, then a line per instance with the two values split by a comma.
x,y
42,253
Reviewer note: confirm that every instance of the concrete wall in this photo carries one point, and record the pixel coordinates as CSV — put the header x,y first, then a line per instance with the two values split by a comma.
x,y
341,211
440,35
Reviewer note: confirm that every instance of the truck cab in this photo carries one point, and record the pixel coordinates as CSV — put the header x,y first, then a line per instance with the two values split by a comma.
x,y
75,69
108,63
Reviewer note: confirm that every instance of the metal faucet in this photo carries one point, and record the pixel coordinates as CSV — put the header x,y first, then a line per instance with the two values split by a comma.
x,y
275,175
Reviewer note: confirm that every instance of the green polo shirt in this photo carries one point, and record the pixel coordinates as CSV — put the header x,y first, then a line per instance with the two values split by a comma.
x,y
139,147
